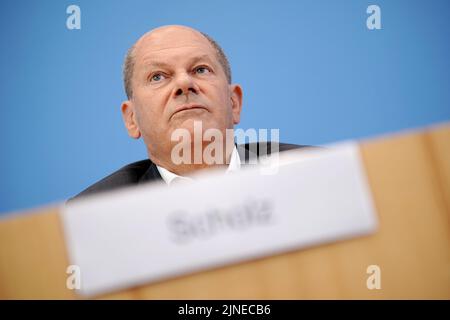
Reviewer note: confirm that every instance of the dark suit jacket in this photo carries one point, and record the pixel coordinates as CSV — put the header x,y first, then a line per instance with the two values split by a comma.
x,y
145,171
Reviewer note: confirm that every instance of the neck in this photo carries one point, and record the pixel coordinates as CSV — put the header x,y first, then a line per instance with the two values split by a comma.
x,y
186,161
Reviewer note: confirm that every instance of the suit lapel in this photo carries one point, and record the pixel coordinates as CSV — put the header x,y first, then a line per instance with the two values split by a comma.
x,y
152,174
247,156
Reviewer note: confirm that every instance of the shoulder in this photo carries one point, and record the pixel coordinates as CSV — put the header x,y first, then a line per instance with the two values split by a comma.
x,y
268,146
254,150
127,175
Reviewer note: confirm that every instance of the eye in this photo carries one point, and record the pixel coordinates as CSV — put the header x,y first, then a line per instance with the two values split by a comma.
x,y
202,70
157,77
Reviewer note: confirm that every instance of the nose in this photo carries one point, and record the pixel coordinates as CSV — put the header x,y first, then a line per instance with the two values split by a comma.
x,y
185,85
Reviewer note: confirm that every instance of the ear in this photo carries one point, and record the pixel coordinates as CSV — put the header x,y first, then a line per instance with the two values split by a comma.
x,y
129,119
236,102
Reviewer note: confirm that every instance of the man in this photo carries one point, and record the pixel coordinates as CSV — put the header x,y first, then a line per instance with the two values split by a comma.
x,y
176,78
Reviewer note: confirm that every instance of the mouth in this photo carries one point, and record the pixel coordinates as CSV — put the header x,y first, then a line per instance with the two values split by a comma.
x,y
186,107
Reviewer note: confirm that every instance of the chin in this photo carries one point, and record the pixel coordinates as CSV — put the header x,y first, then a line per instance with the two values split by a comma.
x,y
198,123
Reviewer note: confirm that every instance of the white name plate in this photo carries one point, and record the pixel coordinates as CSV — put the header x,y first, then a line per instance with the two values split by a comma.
x,y
143,234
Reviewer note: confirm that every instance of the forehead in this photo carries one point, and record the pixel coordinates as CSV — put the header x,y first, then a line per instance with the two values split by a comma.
x,y
172,46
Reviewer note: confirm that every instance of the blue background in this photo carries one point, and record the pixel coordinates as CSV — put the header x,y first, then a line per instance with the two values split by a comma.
x,y
310,68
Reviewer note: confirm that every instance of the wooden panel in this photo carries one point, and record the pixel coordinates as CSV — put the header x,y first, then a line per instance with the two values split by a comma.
x,y
33,257
409,177
439,142
413,243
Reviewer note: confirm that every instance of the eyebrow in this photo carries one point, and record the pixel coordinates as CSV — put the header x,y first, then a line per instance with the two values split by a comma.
x,y
161,64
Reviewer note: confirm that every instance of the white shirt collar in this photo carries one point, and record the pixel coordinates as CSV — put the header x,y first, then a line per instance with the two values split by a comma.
x,y
168,176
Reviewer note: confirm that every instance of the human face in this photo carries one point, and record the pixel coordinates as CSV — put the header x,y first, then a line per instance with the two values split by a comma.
x,y
177,79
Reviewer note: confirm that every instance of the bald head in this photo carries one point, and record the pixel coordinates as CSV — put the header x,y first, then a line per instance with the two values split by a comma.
x,y
157,38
